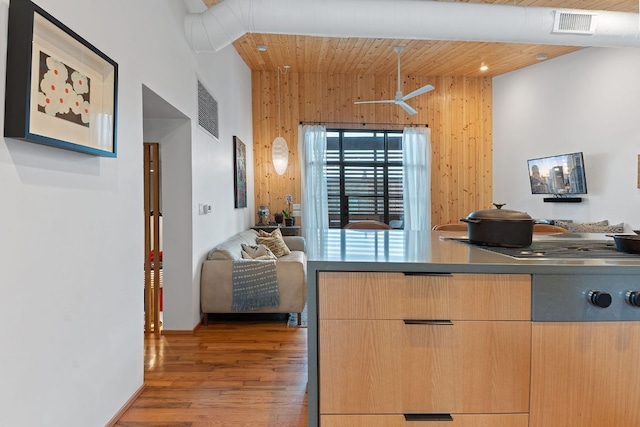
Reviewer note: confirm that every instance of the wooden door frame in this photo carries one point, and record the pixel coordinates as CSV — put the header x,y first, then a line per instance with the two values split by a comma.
x,y
152,237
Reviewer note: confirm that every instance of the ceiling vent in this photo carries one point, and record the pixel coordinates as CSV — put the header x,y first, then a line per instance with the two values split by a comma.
x,y
574,22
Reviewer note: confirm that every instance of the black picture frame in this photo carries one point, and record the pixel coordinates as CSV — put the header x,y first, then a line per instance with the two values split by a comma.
x,y
240,173
61,90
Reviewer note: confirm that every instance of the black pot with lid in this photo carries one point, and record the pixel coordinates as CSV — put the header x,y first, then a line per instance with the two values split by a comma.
x,y
499,227
627,243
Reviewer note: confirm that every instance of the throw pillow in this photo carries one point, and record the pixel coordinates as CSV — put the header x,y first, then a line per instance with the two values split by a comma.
x,y
567,224
260,252
274,233
588,228
275,243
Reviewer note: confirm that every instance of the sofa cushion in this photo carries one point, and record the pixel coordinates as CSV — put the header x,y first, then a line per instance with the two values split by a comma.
x,y
294,256
274,233
591,227
232,248
565,224
276,244
583,228
295,243
259,252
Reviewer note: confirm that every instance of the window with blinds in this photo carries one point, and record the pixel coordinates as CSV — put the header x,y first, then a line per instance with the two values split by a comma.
x,y
364,176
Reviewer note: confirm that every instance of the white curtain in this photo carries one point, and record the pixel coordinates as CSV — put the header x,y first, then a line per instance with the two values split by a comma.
x,y
312,148
416,150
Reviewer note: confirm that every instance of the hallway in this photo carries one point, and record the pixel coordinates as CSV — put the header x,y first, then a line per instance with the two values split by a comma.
x,y
248,372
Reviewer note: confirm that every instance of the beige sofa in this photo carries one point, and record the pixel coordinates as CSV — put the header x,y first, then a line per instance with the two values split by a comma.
x,y
216,289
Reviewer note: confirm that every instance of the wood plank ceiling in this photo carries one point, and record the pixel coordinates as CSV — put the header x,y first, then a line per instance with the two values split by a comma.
x,y
327,55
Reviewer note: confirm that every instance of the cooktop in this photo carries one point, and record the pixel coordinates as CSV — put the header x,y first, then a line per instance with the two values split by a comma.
x,y
578,249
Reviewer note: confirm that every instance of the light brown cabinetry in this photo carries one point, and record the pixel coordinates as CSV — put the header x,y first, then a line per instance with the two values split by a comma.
x,y
475,420
585,374
386,366
397,296
393,344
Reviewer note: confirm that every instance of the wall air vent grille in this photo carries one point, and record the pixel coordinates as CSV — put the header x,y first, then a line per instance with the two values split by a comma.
x,y
207,111
574,22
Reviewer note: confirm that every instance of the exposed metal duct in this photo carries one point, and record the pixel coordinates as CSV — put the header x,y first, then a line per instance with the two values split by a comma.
x,y
576,23
229,20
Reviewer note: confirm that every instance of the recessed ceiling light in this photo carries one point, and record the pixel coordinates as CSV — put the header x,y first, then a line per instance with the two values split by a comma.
x,y
541,56
483,68
262,48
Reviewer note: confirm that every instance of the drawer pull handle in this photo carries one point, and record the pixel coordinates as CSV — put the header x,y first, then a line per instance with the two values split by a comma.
x,y
427,322
424,273
428,417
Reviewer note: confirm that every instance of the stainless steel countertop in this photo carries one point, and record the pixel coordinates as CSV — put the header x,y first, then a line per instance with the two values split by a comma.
x,y
399,250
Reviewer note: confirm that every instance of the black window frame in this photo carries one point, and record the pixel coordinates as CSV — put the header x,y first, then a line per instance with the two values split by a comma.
x,y
386,164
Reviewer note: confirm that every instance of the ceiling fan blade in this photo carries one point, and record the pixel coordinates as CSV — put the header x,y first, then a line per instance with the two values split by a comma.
x,y
400,100
419,91
375,102
408,108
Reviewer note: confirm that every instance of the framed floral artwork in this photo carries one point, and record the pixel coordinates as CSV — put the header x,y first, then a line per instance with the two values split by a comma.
x,y
61,90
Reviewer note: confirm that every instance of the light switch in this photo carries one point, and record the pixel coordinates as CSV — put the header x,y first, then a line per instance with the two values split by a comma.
x,y
203,209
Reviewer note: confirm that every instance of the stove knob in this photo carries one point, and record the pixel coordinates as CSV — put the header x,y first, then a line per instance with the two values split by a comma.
x,y
633,298
600,299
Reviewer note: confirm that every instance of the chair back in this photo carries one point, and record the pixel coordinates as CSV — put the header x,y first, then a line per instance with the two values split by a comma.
x,y
368,225
450,227
548,229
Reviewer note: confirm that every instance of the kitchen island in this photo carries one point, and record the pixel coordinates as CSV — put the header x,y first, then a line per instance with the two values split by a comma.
x,y
409,328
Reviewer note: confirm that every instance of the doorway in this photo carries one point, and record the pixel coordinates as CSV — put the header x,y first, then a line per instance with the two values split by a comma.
x,y
152,239
171,130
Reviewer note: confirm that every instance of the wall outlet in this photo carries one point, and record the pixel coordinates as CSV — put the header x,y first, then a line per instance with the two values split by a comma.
x,y
296,206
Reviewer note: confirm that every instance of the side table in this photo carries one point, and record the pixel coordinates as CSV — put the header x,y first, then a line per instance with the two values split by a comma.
x,y
294,230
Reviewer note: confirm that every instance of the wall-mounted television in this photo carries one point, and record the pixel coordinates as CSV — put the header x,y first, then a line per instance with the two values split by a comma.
x,y
559,175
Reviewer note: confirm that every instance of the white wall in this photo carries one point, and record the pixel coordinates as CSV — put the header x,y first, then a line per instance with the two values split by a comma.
x,y
585,101
71,224
228,79
174,137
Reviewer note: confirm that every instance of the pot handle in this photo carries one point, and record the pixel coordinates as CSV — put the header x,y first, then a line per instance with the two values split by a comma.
x,y
470,220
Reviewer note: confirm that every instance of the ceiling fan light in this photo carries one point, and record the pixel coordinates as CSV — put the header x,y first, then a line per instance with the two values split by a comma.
x,y
280,155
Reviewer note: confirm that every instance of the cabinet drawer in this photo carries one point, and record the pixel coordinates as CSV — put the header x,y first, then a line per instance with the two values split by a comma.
x,y
361,295
389,367
475,420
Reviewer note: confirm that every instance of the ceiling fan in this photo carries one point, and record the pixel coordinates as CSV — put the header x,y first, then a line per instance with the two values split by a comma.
x,y
400,99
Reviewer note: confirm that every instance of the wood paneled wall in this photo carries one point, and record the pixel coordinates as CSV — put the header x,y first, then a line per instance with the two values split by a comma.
x,y
458,112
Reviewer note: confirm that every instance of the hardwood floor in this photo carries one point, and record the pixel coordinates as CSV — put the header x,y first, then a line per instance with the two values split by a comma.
x,y
250,372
